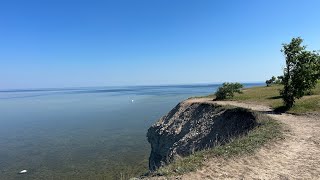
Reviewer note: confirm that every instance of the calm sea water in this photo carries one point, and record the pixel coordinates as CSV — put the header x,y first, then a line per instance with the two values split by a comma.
x,y
83,133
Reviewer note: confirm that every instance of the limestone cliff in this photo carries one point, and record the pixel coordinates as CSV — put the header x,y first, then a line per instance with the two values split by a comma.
x,y
192,127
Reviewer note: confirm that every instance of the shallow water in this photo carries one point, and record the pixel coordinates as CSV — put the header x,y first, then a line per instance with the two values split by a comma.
x,y
83,133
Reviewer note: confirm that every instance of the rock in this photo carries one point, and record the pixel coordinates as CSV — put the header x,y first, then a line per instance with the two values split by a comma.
x,y
191,127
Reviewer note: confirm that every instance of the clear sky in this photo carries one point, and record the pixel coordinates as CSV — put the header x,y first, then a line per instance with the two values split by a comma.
x,y
67,43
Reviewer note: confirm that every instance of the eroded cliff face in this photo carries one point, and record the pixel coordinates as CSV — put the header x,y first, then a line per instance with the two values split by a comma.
x,y
192,127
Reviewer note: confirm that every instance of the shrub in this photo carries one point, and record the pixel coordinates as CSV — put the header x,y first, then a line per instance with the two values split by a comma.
x,y
279,80
271,81
227,90
301,72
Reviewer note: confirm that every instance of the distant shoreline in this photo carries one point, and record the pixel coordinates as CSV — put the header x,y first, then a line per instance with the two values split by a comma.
x,y
4,90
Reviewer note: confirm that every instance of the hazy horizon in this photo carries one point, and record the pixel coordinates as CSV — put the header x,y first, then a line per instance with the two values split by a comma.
x,y
132,85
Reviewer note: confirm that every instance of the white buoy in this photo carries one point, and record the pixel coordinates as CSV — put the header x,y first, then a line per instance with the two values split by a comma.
x,y
23,171
132,100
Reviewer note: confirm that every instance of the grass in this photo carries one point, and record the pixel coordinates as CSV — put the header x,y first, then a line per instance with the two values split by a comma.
x,y
261,95
270,96
268,129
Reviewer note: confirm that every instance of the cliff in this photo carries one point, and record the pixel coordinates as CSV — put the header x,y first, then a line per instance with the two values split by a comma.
x,y
195,126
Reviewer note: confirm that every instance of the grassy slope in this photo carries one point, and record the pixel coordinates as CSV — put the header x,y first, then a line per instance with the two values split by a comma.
x,y
270,96
268,130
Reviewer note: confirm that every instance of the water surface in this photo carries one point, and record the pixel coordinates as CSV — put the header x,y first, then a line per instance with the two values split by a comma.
x,y
83,133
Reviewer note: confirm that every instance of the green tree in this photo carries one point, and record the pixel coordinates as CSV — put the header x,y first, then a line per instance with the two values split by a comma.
x,y
301,71
279,80
227,90
271,81
318,67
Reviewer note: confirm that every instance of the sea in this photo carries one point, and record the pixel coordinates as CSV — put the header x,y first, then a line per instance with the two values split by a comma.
x,y
84,133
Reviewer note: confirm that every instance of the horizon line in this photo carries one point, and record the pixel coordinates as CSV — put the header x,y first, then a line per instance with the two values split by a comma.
x,y
113,86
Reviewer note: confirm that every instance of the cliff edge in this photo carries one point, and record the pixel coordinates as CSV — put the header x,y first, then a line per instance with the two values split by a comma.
x,y
194,126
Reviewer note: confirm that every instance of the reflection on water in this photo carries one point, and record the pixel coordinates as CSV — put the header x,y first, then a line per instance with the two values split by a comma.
x,y
82,133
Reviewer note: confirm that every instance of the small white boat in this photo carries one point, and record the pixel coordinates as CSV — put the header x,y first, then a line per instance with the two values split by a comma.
x,y
23,171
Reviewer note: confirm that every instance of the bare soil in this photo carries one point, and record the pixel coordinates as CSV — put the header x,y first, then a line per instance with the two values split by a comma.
x,y
295,157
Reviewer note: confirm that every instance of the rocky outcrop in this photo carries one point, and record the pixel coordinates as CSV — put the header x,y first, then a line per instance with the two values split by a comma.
x,y
192,127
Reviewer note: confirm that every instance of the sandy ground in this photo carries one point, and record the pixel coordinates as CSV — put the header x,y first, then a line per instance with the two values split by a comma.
x,y
295,157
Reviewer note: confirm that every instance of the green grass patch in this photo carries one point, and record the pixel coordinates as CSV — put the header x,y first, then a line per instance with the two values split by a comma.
x,y
270,96
267,130
262,95
306,104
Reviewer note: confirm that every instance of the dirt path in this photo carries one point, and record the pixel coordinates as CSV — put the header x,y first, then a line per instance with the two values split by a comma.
x,y
296,157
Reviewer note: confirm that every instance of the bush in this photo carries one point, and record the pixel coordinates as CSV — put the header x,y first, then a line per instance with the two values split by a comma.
x,y
227,90
279,80
274,80
271,81
301,72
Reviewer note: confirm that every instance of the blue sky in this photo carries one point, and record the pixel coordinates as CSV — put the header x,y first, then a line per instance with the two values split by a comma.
x,y
67,43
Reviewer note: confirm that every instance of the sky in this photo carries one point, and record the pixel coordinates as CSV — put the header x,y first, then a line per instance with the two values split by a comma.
x,y
79,43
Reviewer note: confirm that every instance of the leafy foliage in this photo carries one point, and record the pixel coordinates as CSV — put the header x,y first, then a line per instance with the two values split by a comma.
x,y
227,90
271,81
274,80
301,71
279,80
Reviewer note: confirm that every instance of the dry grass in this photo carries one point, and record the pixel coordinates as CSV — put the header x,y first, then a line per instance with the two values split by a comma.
x,y
294,157
263,95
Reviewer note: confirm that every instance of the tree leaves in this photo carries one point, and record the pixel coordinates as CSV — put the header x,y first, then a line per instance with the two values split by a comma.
x,y
227,90
301,72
